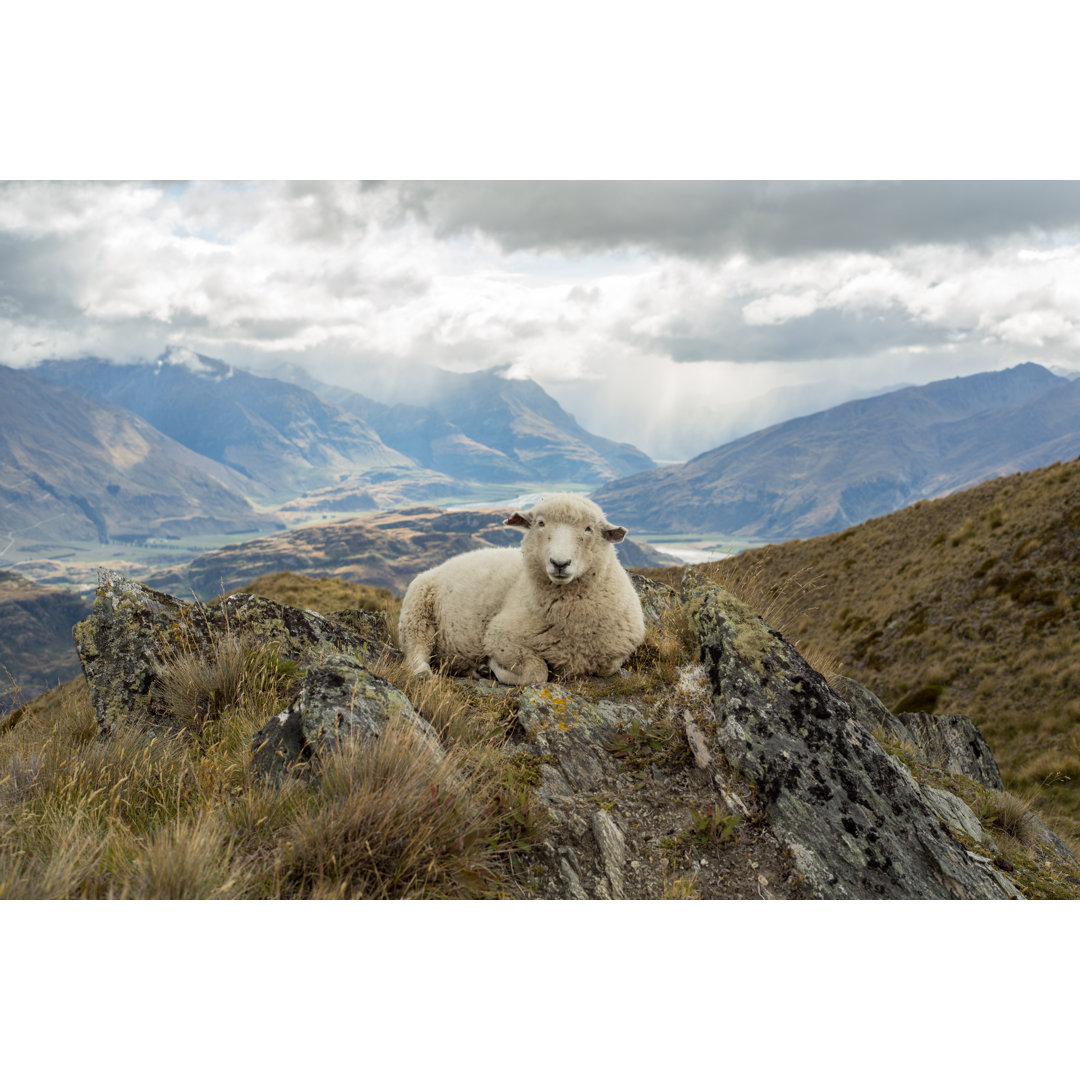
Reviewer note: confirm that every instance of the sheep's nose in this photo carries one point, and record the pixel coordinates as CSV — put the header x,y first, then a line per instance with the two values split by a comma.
x,y
558,566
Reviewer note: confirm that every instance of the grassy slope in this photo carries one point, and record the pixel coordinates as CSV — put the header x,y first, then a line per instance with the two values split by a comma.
x,y
141,816
969,603
146,817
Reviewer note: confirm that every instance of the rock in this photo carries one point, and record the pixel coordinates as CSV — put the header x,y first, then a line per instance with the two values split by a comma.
x,y
696,738
612,844
372,626
743,774
656,598
338,699
947,741
953,742
955,813
133,630
857,825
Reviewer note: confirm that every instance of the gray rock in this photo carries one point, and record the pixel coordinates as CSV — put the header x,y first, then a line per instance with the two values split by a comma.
x,y
133,630
857,826
953,742
947,741
612,844
955,813
338,699
656,598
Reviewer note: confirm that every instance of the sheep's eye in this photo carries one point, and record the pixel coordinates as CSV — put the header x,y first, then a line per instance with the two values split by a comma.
x,y
539,524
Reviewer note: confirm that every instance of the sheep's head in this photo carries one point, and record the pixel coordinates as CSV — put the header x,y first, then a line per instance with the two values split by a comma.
x,y
566,538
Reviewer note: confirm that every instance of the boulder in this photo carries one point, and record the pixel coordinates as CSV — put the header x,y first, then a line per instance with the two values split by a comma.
x,y
338,698
947,741
132,631
858,825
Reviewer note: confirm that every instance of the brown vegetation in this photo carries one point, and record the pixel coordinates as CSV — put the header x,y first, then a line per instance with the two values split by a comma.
x,y
970,604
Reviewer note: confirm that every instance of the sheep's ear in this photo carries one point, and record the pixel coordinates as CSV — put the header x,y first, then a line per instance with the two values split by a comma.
x,y
613,533
522,521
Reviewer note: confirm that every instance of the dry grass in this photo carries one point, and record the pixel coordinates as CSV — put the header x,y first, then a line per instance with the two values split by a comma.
x,y
790,604
323,594
392,824
1011,814
969,604
148,815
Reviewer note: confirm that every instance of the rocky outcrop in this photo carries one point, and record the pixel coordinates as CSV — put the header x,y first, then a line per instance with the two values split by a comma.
x,y
947,741
338,699
133,631
743,775
856,822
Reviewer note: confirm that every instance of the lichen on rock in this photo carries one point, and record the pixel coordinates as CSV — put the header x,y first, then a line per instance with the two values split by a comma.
x,y
133,630
858,826
338,699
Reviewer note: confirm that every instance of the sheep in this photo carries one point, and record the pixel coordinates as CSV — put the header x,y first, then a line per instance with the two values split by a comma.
x,y
561,602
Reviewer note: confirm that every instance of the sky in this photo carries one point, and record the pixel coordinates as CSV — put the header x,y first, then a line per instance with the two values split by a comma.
x,y
658,304
671,314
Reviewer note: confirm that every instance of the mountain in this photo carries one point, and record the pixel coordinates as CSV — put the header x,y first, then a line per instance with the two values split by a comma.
x,y
969,603
282,437
718,764
485,427
824,472
435,442
74,469
387,549
36,649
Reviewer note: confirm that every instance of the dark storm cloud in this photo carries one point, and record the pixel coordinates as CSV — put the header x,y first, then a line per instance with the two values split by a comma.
x,y
707,219
825,334
39,275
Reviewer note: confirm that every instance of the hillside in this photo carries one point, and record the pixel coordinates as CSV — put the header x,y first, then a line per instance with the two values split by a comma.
x,y
386,549
434,441
969,603
283,438
283,753
483,426
862,459
73,469
36,650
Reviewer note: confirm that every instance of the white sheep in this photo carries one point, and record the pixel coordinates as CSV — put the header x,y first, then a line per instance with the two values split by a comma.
x,y
561,601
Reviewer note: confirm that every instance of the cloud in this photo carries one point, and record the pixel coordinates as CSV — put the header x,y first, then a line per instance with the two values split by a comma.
x,y
705,219
657,311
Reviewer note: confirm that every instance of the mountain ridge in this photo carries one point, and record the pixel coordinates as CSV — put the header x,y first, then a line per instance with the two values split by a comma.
x,y
830,470
282,437
102,471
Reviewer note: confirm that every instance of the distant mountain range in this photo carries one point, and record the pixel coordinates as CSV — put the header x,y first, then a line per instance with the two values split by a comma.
x,y
75,469
95,453
283,438
485,427
821,473
291,437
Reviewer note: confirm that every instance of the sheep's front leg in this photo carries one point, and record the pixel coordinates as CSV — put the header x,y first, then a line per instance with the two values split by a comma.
x,y
515,665
418,661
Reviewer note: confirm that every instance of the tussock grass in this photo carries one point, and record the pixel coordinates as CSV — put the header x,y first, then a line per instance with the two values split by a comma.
x,y
390,823
152,815
1011,814
988,626
789,603
199,688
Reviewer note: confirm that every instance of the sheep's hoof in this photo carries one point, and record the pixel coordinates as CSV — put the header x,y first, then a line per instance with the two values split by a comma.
x,y
418,668
530,672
